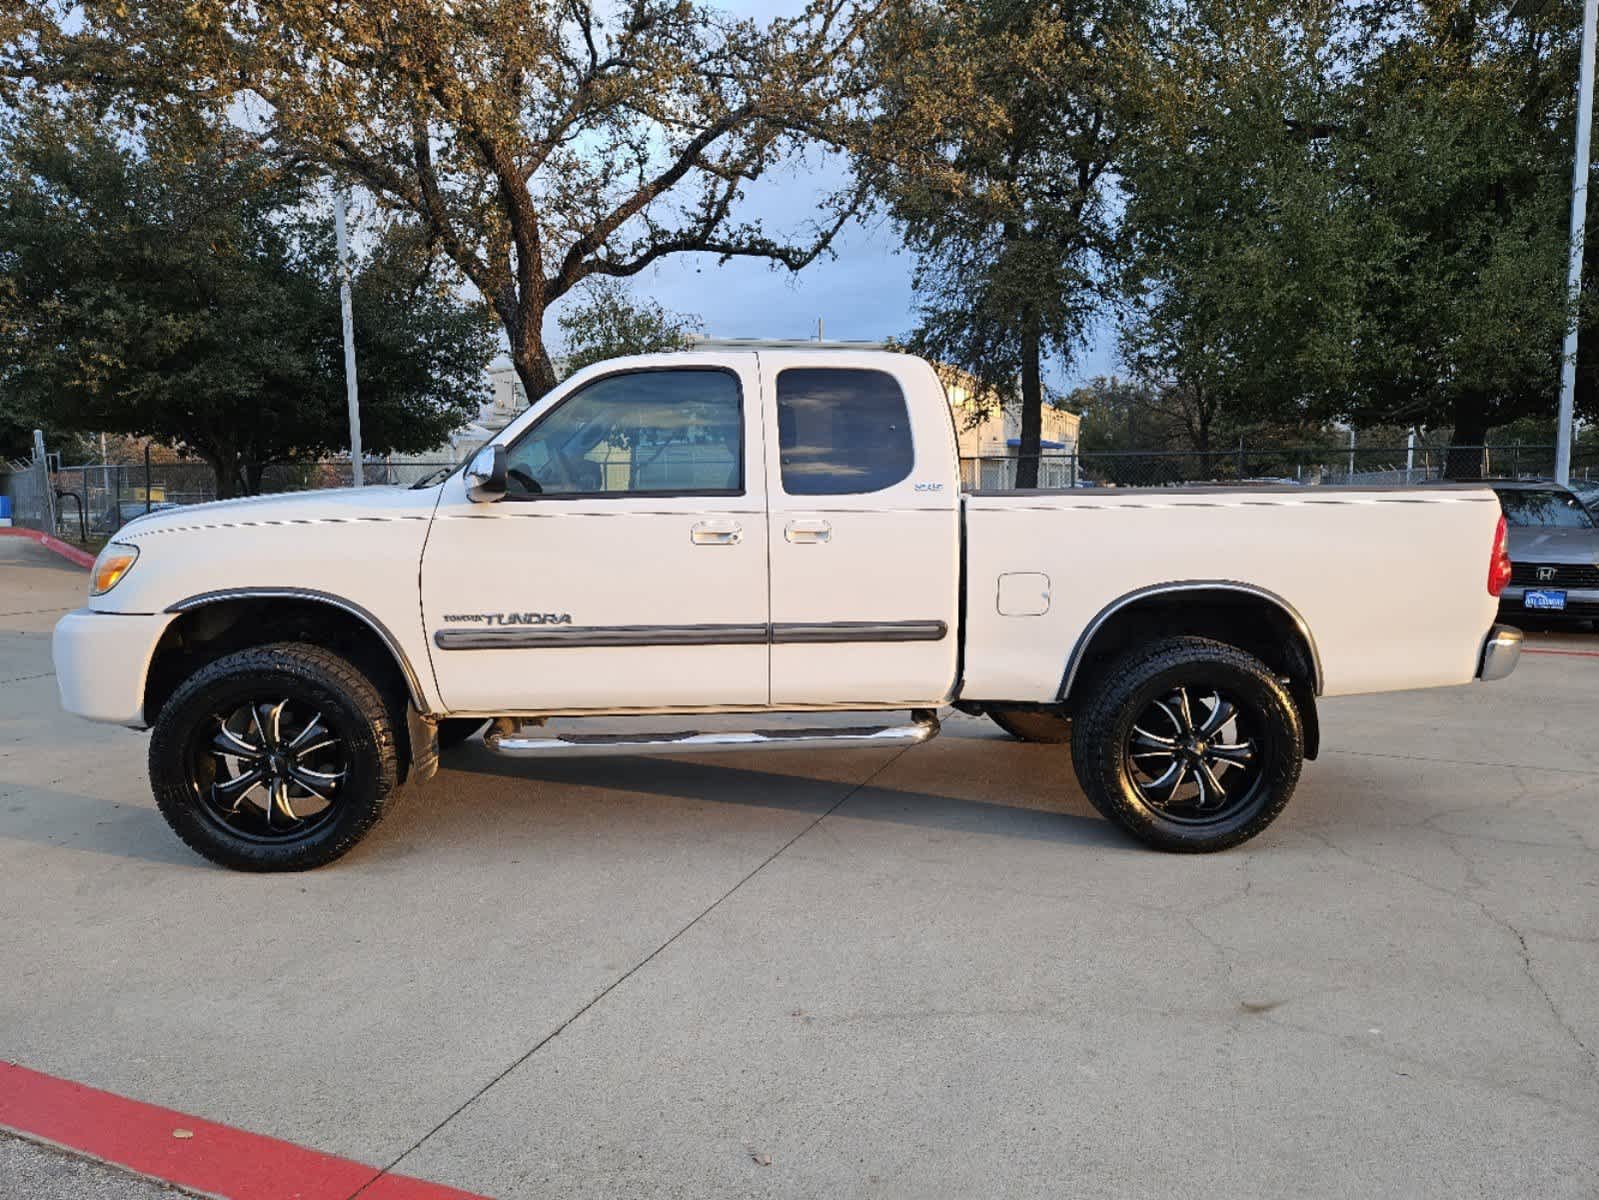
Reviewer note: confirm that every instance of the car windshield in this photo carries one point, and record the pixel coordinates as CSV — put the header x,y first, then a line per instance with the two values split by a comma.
x,y
1537,508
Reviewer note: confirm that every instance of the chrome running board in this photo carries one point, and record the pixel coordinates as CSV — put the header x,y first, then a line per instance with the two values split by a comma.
x,y
923,727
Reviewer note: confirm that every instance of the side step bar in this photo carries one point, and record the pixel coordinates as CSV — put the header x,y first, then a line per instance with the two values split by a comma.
x,y
923,727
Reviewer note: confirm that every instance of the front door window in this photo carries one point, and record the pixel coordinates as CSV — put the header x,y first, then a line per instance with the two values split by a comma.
x,y
671,432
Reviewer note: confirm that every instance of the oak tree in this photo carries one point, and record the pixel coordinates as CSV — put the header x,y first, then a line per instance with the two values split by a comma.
x,y
187,292
541,144
1356,213
1001,122
604,319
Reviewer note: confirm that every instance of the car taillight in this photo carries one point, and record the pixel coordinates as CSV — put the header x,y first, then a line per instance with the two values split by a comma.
x,y
1499,562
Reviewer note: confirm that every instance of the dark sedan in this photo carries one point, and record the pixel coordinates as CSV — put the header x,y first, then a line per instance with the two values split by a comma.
x,y
1554,554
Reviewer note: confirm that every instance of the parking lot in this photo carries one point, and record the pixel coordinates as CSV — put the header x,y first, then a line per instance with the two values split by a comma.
x,y
875,973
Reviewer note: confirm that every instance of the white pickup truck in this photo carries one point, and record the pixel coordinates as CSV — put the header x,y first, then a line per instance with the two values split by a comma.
x,y
762,532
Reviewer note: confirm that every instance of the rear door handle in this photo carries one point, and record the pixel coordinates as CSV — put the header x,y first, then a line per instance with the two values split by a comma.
x,y
717,533
802,532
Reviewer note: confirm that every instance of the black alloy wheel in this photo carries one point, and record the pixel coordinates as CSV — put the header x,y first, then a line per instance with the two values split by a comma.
x,y
1190,744
271,771
1194,757
277,758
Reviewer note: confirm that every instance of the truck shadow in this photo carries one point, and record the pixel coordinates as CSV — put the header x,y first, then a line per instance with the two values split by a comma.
x,y
1040,800
76,823
469,808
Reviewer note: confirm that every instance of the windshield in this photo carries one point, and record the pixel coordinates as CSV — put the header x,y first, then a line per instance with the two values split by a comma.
x,y
1551,509
444,472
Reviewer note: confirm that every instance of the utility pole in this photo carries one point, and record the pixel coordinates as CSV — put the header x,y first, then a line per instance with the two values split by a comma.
x,y
1579,217
348,321
47,491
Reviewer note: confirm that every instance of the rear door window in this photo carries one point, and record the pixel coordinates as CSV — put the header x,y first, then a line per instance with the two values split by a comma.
x,y
842,431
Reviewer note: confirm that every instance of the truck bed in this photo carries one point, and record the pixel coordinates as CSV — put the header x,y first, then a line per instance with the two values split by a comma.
x,y
1388,582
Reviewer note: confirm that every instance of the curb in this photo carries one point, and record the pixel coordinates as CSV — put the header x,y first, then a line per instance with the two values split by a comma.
x,y
187,1151
72,554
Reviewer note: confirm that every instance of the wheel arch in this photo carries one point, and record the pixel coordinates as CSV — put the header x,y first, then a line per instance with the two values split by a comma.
x,y
211,624
1245,615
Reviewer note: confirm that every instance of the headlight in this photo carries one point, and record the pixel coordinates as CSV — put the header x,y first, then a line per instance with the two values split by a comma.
x,y
115,561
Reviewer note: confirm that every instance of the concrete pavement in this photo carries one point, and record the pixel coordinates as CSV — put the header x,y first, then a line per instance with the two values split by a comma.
x,y
37,1172
934,973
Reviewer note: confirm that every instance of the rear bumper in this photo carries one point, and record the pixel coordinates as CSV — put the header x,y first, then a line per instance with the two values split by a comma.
x,y
102,660
1501,650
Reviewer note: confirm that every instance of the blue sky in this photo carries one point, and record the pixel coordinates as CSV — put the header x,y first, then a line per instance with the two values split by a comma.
x,y
863,293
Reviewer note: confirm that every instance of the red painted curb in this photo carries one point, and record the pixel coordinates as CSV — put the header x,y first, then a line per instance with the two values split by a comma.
x,y
71,553
1567,653
191,1152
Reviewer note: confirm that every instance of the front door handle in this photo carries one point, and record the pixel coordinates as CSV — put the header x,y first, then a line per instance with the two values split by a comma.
x,y
802,532
717,533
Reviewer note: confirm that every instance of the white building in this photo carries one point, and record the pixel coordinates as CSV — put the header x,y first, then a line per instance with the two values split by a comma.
x,y
507,398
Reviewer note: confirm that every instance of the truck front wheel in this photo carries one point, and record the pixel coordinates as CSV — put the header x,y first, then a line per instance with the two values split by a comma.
x,y
1190,745
279,758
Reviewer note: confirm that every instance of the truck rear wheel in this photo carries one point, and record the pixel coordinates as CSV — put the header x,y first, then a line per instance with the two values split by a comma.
x,y
279,758
1190,745
1033,725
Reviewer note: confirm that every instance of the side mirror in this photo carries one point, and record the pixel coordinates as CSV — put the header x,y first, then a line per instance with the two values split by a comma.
x,y
485,476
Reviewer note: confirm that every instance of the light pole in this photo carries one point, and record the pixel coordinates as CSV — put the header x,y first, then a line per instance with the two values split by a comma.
x,y
348,321
1579,216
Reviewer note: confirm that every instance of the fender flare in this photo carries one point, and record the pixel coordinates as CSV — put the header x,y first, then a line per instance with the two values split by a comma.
x,y
1085,640
413,684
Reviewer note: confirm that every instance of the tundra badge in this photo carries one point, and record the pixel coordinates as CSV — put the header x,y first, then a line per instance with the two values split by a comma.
x,y
511,618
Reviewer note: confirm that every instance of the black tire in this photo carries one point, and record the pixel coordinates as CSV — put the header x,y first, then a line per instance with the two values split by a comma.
x,y
1033,725
303,691
1149,796
455,730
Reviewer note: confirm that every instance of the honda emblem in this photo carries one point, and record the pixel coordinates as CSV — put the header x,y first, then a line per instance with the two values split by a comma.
x,y
1546,574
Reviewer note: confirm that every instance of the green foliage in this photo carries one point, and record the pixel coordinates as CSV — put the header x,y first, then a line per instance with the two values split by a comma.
x,y
17,423
1001,120
1353,212
1302,210
1122,415
604,320
540,144
188,292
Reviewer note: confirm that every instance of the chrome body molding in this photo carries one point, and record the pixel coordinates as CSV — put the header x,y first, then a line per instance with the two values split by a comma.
x,y
1086,639
601,635
923,727
1501,650
811,633
781,633
390,642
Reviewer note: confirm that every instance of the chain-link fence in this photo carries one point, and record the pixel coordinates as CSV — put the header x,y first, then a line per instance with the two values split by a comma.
x,y
26,485
1317,466
96,499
